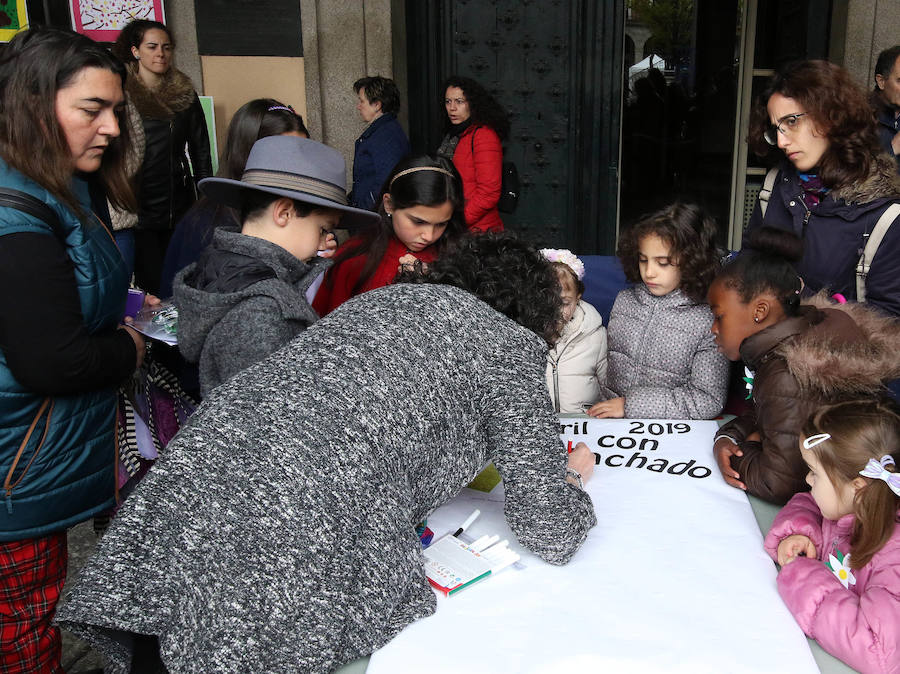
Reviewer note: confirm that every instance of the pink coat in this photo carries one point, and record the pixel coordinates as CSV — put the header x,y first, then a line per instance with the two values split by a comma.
x,y
860,624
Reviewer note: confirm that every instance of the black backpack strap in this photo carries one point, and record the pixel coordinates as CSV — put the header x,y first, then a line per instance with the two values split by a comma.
x,y
22,201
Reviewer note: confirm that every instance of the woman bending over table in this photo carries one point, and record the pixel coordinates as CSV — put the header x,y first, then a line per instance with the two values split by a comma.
x,y
278,532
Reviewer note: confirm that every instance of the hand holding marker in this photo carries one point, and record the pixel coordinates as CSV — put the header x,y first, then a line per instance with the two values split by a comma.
x,y
570,448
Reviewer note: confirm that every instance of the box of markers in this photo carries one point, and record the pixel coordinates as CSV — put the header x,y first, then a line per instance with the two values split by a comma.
x,y
451,564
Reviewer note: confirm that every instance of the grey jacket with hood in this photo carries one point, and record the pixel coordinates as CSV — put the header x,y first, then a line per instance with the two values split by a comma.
x,y
662,357
242,300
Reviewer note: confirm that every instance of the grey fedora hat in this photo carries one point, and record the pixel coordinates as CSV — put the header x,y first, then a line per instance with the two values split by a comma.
x,y
292,167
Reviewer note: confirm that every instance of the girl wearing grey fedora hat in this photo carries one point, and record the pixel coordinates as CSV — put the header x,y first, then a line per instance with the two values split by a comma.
x,y
421,211
246,295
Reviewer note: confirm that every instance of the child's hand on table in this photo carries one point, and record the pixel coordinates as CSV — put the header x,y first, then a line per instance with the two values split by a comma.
x,y
723,450
614,408
794,546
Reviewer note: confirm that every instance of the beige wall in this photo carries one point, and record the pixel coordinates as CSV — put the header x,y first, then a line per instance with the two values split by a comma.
x,y
872,25
182,21
342,41
234,80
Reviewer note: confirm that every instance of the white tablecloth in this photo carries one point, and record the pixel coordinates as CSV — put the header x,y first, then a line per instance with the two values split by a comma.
x,y
673,577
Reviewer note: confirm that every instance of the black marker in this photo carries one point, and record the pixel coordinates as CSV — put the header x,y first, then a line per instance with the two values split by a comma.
x,y
465,525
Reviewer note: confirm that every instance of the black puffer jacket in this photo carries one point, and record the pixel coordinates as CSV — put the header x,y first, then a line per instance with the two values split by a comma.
x,y
172,117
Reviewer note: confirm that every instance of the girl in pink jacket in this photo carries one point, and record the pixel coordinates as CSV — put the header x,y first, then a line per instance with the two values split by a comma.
x,y
839,544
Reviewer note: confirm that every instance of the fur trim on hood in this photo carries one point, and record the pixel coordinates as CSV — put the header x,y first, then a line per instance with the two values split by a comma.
x,y
176,93
836,368
883,182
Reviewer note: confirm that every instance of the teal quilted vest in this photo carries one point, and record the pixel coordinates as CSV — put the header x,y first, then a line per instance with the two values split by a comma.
x,y
71,474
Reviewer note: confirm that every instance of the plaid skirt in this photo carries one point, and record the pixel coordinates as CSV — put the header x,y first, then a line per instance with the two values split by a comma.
x,y
32,573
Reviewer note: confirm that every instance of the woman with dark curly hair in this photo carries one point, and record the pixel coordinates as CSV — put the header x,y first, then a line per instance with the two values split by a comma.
x,y
833,182
421,212
295,524
662,362
476,124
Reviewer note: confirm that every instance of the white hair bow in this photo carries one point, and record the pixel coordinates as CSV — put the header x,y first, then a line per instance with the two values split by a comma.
x,y
876,470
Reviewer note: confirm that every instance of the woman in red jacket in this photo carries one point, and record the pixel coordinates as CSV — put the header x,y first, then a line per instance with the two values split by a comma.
x,y
475,125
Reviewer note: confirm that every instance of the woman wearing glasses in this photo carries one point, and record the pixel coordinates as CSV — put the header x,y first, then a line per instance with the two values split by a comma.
x,y
834,181
476,123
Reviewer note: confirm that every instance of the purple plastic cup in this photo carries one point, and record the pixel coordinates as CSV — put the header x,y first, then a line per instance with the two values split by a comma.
x,y
134,302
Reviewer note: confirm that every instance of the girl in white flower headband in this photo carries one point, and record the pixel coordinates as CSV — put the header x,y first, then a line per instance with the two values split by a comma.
x,y
576,365
839,545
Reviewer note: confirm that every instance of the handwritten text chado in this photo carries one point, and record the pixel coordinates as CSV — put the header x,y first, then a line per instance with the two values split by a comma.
x,y
637,444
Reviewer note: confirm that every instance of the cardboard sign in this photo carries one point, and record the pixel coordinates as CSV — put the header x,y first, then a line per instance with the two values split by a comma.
x,y
672,578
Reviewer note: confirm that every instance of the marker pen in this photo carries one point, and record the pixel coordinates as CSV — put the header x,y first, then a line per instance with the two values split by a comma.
x,y
465,525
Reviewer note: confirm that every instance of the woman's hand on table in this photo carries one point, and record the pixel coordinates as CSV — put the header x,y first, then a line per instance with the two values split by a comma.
x,y
723,450
581,460
796,545
614,408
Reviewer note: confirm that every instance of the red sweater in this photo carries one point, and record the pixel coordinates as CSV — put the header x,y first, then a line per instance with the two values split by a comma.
x,y
481,177
337,287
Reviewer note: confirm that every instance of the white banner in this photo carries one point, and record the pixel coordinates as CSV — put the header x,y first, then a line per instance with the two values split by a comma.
x,y
673,578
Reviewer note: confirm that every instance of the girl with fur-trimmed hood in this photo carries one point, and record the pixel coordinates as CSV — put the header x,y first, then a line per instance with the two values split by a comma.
x,y
172,118
797,357
834,182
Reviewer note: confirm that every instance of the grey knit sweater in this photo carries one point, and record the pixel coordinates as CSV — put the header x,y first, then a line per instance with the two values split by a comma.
x,y
662,357
277,533
243,299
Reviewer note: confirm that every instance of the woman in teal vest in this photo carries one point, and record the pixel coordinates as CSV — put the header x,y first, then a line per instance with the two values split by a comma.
x,y
62,293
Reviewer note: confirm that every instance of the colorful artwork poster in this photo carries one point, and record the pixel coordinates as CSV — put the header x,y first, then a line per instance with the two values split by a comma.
x,y
101,20
13,18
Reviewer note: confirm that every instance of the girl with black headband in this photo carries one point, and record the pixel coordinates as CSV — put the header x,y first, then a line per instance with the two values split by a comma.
x,y
421,211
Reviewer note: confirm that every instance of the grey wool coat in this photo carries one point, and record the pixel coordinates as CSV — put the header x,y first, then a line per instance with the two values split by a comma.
x,y
662,357
277,533
243,299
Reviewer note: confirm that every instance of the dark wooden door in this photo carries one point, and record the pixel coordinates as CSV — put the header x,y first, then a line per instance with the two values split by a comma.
x,y
556,66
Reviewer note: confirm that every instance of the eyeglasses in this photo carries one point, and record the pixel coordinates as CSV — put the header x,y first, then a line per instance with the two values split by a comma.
x,y
787,126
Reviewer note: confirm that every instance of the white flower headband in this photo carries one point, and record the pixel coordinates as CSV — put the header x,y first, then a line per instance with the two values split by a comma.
x,y
567,257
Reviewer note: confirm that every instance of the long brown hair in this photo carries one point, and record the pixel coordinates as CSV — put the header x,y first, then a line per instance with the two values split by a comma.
x,y
861,430
37,64
838,108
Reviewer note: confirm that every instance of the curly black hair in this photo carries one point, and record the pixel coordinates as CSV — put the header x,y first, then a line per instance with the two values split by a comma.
x,y
690,233
766,263
506,273
484,110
